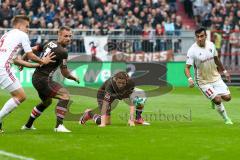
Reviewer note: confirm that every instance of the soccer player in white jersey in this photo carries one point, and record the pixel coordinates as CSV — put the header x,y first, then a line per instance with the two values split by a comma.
x,y
204,57
10,44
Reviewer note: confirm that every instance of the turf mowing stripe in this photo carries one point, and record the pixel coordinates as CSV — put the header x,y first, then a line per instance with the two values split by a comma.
x,y
14,155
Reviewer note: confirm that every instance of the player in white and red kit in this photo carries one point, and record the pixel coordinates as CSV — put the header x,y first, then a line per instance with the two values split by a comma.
x,y
204,57
10,44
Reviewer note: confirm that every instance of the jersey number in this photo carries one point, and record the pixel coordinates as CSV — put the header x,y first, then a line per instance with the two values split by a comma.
x,y
209,92
49,49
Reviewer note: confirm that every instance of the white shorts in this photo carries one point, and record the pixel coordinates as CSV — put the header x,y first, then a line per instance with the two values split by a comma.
x,y
9,81
137,93
211,90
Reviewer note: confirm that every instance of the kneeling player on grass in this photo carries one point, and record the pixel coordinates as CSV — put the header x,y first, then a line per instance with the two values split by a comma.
x,y
46,87
118,87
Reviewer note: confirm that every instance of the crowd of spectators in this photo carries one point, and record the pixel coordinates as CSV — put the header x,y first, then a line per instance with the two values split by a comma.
x,y
145,18
214,14
91,14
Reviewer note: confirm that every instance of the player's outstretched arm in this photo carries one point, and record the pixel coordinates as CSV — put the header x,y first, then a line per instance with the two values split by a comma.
x,y
45,60
35,50
104,114
20,62
131,109
188,75
131,118
25,57
221,68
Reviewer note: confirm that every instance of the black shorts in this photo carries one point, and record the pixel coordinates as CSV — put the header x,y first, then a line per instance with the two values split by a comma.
x,y
45,86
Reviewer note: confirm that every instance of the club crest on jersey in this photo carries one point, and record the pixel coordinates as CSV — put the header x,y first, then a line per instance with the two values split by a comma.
x,y
210,50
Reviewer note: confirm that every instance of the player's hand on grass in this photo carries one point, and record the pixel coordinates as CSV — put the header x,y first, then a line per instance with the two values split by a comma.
x,y
102,125
227,75
48,58
190,82
131,123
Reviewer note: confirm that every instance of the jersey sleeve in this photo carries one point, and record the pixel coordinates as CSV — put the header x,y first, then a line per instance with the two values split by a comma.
x,y
190,59
26,43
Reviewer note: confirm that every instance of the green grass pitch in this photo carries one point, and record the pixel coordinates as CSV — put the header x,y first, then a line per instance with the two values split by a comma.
x,y
196,132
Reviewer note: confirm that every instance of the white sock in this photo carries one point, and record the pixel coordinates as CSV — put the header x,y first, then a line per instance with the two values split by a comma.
x,y
8,107
221,110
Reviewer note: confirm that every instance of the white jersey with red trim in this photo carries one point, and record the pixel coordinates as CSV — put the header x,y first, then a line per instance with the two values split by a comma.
x,y
203,61
10,44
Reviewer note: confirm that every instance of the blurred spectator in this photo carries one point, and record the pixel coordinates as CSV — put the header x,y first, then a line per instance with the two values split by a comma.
x,y
226,28
188,7
5,24
235,48
160,42
5,12
217,39
178,28
206,13
147,35
169,30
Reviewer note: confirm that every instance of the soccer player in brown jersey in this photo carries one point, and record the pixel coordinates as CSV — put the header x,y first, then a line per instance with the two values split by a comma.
x,y
120,86
46,87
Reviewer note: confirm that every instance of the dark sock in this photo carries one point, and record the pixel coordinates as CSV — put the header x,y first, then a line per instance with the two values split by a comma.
x,y
61,111
1,125
97,119
139,112
36,112
30,122
59,121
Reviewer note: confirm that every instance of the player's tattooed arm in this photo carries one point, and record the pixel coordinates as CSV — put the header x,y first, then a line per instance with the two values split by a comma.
x,y
67,74
36,49
221,68
131,109
131,117
104,113
18,61
42,61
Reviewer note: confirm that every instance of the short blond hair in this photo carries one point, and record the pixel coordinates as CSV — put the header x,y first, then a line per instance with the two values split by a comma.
x,y
19,18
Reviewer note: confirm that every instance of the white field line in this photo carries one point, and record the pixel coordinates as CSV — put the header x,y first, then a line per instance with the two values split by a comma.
x,y
14,155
